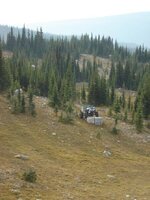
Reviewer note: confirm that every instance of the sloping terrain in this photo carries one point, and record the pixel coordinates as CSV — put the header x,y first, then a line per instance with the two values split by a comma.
x,y
69,159
104,64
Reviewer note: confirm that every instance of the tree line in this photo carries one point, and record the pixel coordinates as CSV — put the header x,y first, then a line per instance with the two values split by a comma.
x,y
50,67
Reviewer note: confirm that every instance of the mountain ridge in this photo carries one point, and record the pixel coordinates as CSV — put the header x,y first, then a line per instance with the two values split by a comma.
x,y
129,30
126,28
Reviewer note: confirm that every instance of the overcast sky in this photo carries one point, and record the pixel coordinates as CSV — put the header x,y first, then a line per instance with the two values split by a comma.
x,y
19,12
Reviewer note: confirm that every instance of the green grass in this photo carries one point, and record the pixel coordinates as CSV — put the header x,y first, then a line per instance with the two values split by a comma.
x,y
70,164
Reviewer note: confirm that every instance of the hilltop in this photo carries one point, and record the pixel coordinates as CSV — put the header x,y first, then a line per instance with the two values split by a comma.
x,y
68,159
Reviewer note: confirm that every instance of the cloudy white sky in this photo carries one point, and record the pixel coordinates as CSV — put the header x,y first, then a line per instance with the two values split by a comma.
x,y
19,12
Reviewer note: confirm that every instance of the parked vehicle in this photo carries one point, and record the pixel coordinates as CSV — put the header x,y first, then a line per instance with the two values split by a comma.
x,y
88,111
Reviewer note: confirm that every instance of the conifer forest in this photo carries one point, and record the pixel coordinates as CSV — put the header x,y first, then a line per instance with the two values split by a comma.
x,y
50,68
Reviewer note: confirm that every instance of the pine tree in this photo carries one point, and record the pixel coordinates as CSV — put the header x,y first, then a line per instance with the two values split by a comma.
x,y
69,84
83,93
14,106
19,100
119,75
103,92
112,94
67,113
112,75
116,106
127,75
23,103
31,107
139,117
54,98
129,102
146,96
2,73
123,100
23,37
11,40
126,115
94,95
4,77
69,110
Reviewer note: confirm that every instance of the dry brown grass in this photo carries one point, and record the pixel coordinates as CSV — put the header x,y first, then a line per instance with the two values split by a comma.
x,y
70,164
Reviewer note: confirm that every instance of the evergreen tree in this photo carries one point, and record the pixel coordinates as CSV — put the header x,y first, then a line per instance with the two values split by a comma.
x,y
67,114
11,40
146,96
139,117
126,115
117,106
31,107
19,100
23,103
69,110
2,72
23,37
103,92
54,97
69,84
129,102
94,88
127,75
112,94
83,93
119,75
112,74
4,77
123,100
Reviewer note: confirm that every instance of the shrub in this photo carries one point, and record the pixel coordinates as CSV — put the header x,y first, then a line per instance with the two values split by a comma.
x,y
66,119
30,176
114,130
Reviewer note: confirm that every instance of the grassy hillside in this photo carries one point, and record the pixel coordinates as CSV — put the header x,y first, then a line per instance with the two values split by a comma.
x,y
69,160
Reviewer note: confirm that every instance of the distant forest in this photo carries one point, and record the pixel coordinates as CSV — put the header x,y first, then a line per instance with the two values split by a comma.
x,y
50,68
